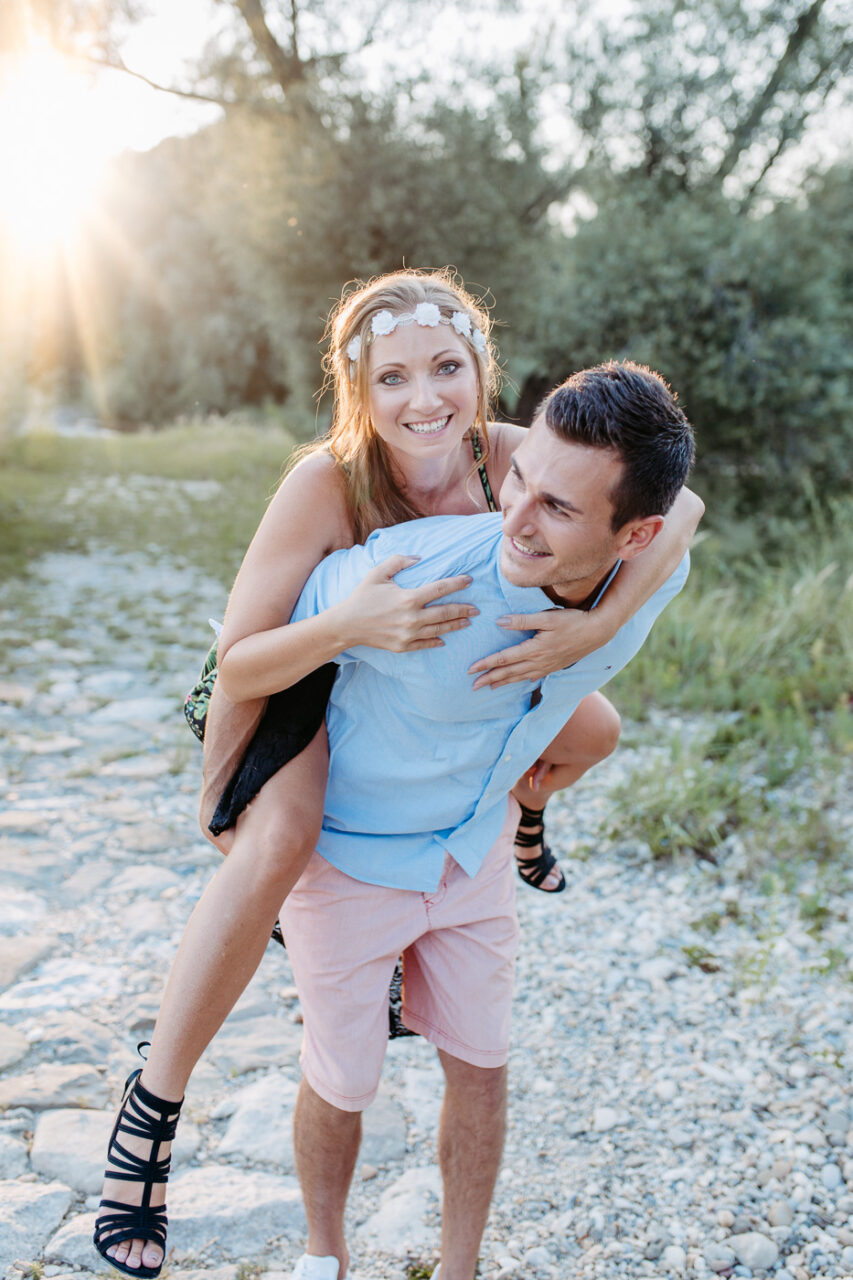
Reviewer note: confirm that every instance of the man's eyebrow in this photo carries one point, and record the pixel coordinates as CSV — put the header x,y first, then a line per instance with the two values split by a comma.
x,y
548,497
439,356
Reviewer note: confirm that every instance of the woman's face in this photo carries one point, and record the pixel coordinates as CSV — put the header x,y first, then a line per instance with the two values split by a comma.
x,y
423,389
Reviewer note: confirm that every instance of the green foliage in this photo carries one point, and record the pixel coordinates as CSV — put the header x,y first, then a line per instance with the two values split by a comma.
x,y
763,630
62,494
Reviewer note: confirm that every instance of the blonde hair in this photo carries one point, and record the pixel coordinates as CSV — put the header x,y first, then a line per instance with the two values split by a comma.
x,y
375,495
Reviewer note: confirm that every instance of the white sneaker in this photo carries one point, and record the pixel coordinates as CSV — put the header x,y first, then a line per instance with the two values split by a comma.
x,y
310,1267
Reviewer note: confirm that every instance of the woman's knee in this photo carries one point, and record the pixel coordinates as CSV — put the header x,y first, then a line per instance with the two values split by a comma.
x,y
608,729
277,840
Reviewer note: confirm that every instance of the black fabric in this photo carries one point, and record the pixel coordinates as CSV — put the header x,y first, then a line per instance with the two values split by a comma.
x,y
289,723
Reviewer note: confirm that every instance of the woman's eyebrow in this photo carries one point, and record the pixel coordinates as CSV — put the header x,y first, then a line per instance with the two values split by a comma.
x,y
439,356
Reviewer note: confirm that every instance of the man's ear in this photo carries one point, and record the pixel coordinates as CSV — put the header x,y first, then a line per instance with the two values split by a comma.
x,y
636,535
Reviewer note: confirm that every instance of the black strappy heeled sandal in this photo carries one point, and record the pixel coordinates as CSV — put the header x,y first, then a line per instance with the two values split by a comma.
x,y
141,1115
534,871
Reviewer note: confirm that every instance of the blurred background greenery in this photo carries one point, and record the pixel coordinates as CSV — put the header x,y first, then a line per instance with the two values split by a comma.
x,y
633,179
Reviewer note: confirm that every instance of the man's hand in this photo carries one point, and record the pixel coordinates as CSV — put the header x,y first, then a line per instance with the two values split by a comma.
x,y
563,637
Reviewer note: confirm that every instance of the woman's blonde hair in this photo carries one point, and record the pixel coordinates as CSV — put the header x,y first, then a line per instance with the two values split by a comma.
x,y
375,494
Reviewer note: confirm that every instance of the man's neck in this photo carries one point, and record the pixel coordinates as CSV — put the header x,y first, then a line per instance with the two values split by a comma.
x,y
585,593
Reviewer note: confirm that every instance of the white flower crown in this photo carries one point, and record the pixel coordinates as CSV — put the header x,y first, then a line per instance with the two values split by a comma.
x,y
426,314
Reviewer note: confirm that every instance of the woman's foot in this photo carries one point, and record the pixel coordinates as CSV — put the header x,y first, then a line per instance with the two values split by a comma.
x,y
130,1229
536,864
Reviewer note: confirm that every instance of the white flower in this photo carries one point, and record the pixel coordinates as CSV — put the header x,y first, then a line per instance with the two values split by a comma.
x,y
479,341
461,322
383,323
427,314
354,348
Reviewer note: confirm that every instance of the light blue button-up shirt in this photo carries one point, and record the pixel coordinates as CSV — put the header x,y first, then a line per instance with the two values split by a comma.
x,y
420,762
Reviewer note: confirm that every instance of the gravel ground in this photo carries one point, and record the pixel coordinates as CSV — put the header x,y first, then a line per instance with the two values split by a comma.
x,y
680,1071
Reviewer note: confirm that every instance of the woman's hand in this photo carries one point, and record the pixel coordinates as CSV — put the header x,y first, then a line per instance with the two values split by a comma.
x,y
563,637
402,619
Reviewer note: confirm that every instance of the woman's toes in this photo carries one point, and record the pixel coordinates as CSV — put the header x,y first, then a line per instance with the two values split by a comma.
x,y
152,1255
120,1251
134,1258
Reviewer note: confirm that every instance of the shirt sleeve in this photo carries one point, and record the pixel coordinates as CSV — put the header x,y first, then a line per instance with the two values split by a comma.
x,y
333,580
443,551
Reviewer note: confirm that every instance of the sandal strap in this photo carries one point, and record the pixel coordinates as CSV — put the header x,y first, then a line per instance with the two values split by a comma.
x,y
141,1115
536,870
531,817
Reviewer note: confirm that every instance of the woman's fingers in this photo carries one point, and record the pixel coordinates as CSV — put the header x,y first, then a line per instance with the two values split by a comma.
x,y
387,569
444,587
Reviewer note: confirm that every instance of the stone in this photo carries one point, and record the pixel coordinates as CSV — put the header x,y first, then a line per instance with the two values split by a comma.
x,y
538,1256
658,969
19,955
17,694
754,1250
135,711
14,1045
236,1211
830,1176
24,820
62,984
144,881
398,1225
68,1034
780,1214
29,1213
13,1157
666,1090
261,1127
247,1044
674,1258
72,1243
726,1218
49,1086
718,1257
384,1131
605,1118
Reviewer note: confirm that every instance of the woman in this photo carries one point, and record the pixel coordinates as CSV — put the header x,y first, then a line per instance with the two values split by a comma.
x,y
412,371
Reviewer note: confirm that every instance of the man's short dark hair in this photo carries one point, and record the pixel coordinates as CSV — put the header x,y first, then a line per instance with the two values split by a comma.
x,y
627,407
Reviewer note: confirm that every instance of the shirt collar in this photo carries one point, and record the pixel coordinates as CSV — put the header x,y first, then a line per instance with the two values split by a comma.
x,y
523,599
534,599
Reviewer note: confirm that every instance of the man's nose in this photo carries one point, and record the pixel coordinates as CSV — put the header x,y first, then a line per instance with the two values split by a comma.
x,y
520,517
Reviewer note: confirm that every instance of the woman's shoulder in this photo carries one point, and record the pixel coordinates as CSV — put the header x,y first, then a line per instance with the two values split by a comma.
x,y
314,489
504,439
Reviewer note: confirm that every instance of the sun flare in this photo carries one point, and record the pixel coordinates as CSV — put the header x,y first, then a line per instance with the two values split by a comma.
x,y
52,150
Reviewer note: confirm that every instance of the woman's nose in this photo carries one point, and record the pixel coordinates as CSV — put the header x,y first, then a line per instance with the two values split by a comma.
x,y
424,394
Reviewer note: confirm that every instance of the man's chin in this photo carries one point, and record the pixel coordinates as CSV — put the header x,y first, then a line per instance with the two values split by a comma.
x,y
522,572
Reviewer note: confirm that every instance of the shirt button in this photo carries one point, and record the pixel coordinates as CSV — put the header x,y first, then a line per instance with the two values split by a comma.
x,y
509,757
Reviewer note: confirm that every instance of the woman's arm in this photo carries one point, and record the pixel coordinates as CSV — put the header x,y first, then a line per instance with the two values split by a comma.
x,y
567,635
260,652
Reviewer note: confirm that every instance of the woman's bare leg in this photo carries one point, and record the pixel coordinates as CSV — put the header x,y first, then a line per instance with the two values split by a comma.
x,y
587,738
224,940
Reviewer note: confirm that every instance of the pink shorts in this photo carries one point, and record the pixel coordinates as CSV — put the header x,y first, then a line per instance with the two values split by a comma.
x,y
458,946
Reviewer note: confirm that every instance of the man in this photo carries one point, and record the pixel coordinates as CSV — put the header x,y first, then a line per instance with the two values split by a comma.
x,y
415,856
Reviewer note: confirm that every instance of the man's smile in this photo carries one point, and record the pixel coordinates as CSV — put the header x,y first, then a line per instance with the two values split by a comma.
x,y
526,549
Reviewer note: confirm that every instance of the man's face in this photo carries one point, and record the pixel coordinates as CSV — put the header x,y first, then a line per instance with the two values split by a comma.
x,y
556,515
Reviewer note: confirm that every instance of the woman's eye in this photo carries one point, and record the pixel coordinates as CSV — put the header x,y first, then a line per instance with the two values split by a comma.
x,y
391,380
449,366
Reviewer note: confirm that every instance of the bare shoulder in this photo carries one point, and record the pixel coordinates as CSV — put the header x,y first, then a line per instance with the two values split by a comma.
x,y
313,496
504,439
